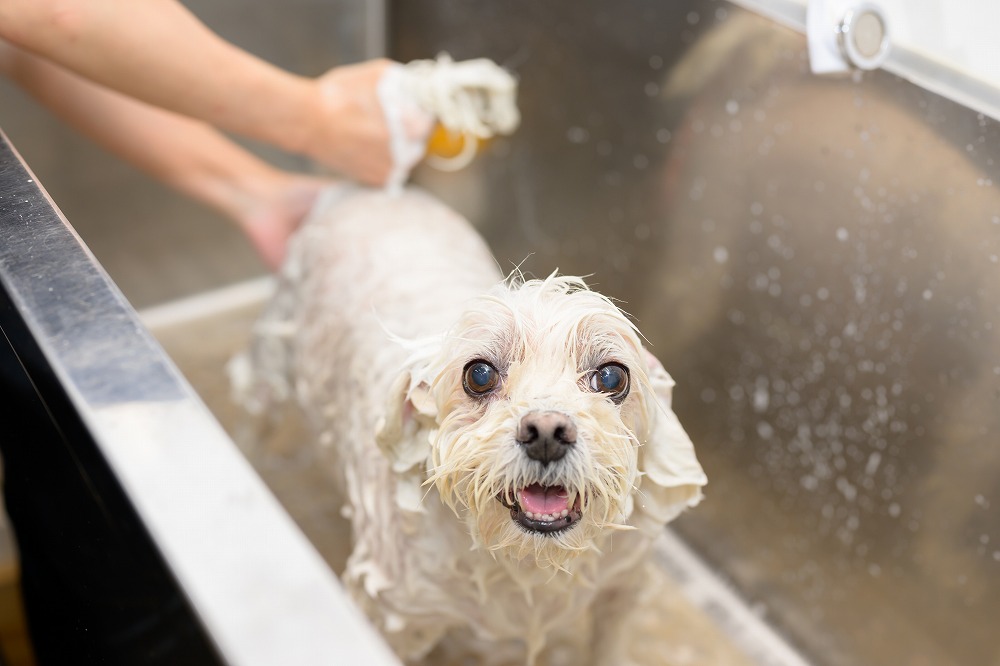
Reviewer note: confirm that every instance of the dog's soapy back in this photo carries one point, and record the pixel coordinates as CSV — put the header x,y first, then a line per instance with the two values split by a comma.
x,y
474,98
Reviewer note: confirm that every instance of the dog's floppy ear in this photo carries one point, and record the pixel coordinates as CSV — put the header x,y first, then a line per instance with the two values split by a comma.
x,y
672,477
403,436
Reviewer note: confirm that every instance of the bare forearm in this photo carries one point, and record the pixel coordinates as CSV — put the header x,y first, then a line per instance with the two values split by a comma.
x,y
158,52
184,153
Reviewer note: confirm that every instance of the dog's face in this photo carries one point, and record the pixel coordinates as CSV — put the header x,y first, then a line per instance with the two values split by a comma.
x,y
543,417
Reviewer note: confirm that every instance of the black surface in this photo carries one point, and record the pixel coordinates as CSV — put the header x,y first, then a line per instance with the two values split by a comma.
x,y
96,589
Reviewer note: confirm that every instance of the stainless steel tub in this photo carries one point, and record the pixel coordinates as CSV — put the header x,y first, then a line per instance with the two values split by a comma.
x,y
813,259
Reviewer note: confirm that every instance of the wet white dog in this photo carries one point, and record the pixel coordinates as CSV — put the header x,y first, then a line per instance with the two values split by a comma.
x,y
507,449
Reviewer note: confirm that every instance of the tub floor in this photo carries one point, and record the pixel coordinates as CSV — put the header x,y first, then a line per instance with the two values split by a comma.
x,y
675,631
686,624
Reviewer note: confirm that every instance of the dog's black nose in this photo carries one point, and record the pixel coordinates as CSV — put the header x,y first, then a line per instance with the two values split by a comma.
x,y
546,436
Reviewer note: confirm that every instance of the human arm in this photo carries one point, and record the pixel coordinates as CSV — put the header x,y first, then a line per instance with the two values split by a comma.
x,y
189,155
158,52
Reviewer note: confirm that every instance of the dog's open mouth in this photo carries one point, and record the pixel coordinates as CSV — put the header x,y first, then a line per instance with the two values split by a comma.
x,y
542,509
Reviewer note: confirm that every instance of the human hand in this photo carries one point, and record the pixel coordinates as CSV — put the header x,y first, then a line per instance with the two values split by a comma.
x,y
349,133
273,209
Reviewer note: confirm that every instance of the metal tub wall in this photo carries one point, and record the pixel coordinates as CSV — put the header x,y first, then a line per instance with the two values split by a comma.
x,y
813,259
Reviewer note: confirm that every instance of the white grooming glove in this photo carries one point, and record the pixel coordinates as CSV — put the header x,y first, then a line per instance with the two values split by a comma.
x,y
474,97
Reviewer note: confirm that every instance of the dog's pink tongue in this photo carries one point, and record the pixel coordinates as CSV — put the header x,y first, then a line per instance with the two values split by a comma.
x,y
543,499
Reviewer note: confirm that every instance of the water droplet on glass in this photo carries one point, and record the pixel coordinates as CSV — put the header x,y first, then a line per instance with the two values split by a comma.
x,y
873,462
761,398
697,190
577,135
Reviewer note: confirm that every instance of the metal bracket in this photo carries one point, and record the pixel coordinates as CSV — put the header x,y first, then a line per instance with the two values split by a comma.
x,y
845,35
863,36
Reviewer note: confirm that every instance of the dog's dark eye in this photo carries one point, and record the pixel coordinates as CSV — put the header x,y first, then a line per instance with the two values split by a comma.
x,y
612,379
480,378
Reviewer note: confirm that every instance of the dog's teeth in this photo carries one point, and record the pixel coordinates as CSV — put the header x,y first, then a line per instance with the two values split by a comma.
x,y
542,517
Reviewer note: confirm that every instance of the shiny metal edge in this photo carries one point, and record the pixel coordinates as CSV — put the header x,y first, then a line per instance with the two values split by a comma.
x,y
916,68
258,586
741,622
